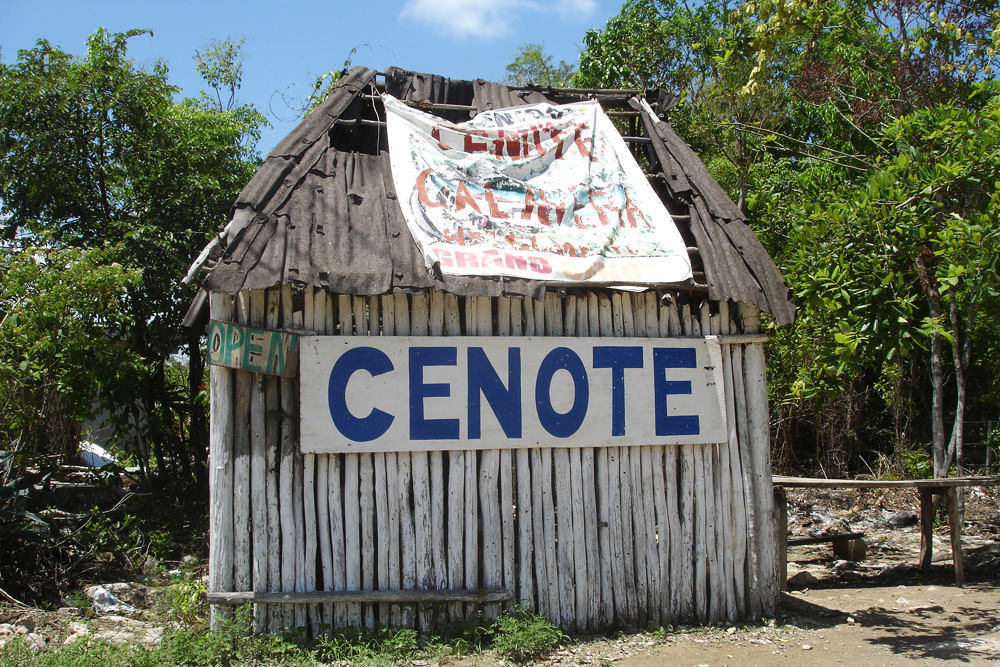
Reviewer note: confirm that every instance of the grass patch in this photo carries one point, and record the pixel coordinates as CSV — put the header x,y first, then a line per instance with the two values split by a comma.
x,y
520,636
517,636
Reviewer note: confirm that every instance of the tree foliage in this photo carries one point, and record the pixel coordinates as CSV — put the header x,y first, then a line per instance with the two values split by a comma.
x,y
96,155
858,137
533,67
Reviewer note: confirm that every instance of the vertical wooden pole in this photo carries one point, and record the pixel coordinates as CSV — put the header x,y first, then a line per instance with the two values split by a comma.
x,y
760,457
781,531
286,474
220,571
242,538
926,530
955,529
273,446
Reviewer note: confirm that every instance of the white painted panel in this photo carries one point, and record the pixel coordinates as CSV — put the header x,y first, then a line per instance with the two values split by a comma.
x,y
406,393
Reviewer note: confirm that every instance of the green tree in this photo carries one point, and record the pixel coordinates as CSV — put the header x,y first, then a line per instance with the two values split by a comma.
x,y
901,264
95,154
60,316
533,67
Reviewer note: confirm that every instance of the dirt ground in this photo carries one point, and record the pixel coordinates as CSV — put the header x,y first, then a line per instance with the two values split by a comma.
x,y
878,611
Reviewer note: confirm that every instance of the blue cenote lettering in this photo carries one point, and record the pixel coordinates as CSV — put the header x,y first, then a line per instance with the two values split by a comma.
x,y
502,392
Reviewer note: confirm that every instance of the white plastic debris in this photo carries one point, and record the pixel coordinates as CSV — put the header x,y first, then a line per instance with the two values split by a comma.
x,y
94,456
105,602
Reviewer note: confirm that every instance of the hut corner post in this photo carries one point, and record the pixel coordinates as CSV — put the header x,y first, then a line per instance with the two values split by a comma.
x,y
220,568
768,552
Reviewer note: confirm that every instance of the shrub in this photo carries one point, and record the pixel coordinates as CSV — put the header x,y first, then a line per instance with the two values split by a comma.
x,y
520,635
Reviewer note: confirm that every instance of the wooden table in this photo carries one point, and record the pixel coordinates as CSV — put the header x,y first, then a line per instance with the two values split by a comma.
x,y
926,487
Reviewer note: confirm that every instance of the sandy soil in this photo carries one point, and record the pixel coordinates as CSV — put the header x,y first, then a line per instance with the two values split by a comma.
x,y
879,611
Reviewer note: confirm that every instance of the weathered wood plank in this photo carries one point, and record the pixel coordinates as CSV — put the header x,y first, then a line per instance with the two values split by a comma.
x,y
220,571
539,537
591,523
273,447
551,578
456,526
663,536
569,607
408,546
580,561
366,486
645,503
383,538
508,519
242,536
258,467
489,502
352,533
760,457
525,536
355,597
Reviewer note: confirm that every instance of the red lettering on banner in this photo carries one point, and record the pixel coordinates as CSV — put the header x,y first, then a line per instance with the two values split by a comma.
x,y
578,138
436,136
463,197
422,190
543,208
539,265
444,257
466,260
529,205
495,212
559,209
473,146
517,262
491,258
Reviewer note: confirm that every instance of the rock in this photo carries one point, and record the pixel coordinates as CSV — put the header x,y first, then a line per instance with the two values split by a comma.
x,y
898,569
68,611
35,641
78,629
802,579
904,519
189,560
6,629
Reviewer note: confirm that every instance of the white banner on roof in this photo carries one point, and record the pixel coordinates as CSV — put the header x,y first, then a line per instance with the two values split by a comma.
x,y
543,192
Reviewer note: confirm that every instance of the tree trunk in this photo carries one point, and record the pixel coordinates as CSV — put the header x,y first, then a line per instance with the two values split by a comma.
x,y
929,283
961,357
199,424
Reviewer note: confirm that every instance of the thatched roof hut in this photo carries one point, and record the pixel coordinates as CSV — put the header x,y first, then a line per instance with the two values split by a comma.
x,y
594,531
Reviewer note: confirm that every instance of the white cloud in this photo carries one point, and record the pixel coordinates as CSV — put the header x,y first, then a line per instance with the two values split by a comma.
x,y
485,18
576,6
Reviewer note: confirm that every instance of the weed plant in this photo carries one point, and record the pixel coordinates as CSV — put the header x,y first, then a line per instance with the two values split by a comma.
x,y
520,635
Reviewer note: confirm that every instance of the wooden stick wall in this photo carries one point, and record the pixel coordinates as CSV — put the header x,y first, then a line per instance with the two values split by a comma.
x,y
591,538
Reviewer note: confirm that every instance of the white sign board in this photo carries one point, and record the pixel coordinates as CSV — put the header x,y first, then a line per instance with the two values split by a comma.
x,y
400,393
544,192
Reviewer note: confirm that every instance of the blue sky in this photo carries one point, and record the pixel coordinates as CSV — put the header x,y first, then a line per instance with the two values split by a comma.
x,y
290,42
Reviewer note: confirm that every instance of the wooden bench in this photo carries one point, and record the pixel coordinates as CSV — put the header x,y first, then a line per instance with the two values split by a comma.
x,y
927,489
